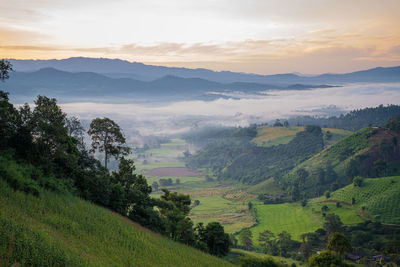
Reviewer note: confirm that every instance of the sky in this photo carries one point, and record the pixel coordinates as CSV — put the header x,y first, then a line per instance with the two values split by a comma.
x,y
257,36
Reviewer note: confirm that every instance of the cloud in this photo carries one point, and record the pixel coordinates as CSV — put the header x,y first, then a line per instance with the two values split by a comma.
x,y
179,116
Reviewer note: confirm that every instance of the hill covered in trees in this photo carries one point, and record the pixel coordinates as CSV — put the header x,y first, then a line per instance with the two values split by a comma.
x,y
354,120
370,152
238,158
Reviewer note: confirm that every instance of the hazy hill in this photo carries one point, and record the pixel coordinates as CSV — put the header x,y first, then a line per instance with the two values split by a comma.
x,y
81,85
117,68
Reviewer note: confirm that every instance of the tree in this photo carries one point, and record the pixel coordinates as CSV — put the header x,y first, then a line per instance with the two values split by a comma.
x,y
327,194
267,241
5,69
107,137
358,181
284,242
305,249
326,258
339,243
286,123
214,236
332,223
302,174
154,185
394,124
245,238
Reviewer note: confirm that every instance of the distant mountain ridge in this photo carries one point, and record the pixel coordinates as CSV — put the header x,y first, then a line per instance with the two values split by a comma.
x,y
117,68
57,83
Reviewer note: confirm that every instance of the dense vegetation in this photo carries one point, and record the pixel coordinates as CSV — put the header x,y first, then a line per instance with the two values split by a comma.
x,y
377,197
240,159
370,152
42,149
63,230
354,120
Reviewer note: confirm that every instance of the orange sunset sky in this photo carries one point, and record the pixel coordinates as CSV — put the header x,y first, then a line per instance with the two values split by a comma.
x,y
264,36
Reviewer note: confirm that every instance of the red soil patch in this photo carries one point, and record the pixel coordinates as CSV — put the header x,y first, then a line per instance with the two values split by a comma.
x,y
174,172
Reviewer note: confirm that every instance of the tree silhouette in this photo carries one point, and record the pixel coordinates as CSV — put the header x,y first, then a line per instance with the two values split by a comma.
x,y
108,138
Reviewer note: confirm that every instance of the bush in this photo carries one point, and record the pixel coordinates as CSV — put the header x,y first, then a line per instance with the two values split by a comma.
x,y
248,261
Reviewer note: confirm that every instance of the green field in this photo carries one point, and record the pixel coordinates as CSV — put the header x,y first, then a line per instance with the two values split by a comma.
x,y
231,214
167,155
297,220
282,260
62,230
265,187
272,136
222,202
379,196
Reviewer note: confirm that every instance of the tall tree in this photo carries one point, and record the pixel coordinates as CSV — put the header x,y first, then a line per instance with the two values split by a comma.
x,y
5,69
245,238
339,243
107,137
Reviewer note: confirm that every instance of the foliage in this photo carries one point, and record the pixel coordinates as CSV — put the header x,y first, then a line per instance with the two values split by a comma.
x,y
358,181
339,243
333,223
62,230
242,160
214,237
248,261
245,238
354,120
107,137
5,69
326,258
379,196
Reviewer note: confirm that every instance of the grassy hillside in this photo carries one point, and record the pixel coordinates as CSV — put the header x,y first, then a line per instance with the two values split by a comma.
x,y
297,220
362,149
272,136
378,197
62,230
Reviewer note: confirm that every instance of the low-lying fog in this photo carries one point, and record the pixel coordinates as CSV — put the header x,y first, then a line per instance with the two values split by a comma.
x,y
240,110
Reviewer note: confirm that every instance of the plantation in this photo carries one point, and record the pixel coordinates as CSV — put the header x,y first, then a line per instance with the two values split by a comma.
x,y
378,197
62,230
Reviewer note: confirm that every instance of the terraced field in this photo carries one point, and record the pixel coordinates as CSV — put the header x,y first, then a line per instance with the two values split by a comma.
x,y
222,202
380,198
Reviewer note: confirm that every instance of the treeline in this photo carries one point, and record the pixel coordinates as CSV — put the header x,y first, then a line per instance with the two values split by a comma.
x,y
352,121
43,149
242,160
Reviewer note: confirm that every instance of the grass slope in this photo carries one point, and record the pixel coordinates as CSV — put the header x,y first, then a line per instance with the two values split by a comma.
x,y
272,136
380,198
62,230
297,220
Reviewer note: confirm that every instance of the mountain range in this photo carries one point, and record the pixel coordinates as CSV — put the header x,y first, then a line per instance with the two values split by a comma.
x,y
116,68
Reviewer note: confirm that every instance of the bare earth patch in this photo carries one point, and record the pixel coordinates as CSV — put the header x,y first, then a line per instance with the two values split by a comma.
x,y
174,172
